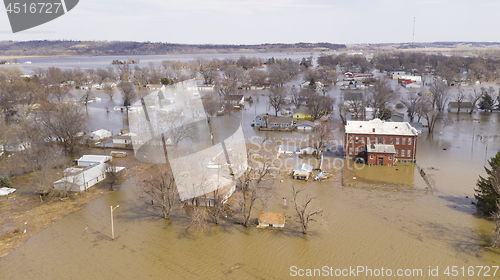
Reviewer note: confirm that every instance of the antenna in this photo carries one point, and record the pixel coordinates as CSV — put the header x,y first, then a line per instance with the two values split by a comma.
x,y
413,37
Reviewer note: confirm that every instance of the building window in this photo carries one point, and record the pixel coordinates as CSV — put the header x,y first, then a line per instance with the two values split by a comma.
x,y
356,151
403,141
383,141
397,152
350,151
409,153
357,139
373,130
368,140
350,139
397,141
390,157
371,156
380,140
363,139
409,141
392,141
402,153
390,164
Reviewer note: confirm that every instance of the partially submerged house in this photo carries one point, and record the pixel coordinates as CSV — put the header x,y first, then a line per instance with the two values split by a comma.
x,y
305,126
268,219
361,134
89,160
379,154
302,171
100,134
267,122
234,100
462,107
301,114
123,140
91,170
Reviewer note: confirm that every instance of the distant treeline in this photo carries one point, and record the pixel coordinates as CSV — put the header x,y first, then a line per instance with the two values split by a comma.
x,y
42,48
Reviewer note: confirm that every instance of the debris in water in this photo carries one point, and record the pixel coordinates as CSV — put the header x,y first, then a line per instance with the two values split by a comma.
x,y
234,267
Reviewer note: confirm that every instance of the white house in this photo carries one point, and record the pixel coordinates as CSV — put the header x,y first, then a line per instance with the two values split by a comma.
x,y
302,171
124,140
89,160
78,180
100,134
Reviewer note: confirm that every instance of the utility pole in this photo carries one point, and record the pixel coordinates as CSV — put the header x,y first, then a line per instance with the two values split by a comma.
x,y
413,37
112,227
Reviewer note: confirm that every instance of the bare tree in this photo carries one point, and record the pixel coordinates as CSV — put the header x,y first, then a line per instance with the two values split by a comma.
x,y
474,97
65,122
128,93
252,189
210,105
160,190
304,214
323,136
178,128
413,104
112,174
460,98
108,89
276,98
226,87
382,94
319,105
342,113
87,97
197,217
430,114
257,77
298,96
217,208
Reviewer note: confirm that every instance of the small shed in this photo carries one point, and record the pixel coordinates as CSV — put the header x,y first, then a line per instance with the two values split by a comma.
x,y
268,219
302,171
100,134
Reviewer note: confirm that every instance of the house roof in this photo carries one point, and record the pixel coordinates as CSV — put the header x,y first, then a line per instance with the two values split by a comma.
x,y
94,158
271,218
305,123
380,127
273,119
303,167
379,148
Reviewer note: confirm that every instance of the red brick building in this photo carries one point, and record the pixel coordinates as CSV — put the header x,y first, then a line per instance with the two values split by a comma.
x,y
379,154
400,135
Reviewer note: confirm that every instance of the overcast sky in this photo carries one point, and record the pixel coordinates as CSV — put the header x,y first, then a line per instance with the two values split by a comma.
x,y
270,21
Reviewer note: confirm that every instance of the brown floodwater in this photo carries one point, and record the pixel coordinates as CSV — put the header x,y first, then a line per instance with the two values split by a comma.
x,y
390,228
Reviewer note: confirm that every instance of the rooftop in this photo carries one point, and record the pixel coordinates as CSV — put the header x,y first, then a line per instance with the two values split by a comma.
x,y
379,148
271,218
377,126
